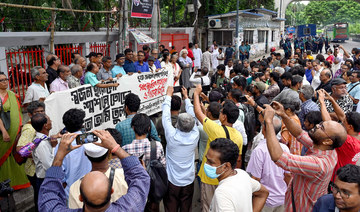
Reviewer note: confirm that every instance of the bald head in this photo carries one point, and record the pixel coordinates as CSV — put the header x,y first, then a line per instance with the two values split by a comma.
x,y
328,133
94,190
325,75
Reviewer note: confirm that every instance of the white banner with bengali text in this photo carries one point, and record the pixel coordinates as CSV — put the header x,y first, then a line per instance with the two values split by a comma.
x,y
104,107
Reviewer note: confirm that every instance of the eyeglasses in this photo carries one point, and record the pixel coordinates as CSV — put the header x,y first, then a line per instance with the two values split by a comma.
x,y
341,88
322,128
335,190
4,80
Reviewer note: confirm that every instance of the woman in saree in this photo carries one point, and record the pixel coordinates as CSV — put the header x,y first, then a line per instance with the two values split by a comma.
x,y
176,69
166,65
186,65
9,169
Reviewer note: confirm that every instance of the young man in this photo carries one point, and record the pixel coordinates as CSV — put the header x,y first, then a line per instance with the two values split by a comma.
x,y
221,56
237,191
228,116
140,65
90,77
129,64
219,80
345,195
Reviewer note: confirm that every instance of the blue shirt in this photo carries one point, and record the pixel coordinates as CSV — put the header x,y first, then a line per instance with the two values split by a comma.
x,y
157,64
308,75
52,196
243,49
90,78
75,165
325,203
307,107
180,147
128,134
143,68
129,66
117,70
355,92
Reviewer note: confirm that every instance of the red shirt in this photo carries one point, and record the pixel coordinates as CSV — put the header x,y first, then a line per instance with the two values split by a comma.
x,y
348,153
191,55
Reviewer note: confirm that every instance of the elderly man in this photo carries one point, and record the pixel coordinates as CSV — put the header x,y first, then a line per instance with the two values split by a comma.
x,y
95,188
292,92
155,54
60,83
182,142
105,72
353,88
311,173
82,62
325,78
74,55
38,89
118,69
53,63
74,80
339,93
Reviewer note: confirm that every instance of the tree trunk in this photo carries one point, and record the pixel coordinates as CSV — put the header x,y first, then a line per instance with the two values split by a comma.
x,y
174,11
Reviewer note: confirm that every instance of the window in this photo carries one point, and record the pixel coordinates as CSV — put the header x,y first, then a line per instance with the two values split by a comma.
x,y
249,36
261,36
272,36
223,37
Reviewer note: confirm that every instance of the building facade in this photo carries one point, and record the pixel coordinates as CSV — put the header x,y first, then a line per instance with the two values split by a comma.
x,y
260,27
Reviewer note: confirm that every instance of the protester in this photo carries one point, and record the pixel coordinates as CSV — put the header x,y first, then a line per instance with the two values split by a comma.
x,y
75,164
311,171
95,189
345,192
229,66
99,158
105,72
203,79
307,105
53,63
74,56
155,53
228,116
176,71
141,65
27,136
185,63
325,78
264,170
61,83
93,57
129,64
90,77
236,190
182,142
132,105
315,72
74,79
118,69
221,56
152,67
38,90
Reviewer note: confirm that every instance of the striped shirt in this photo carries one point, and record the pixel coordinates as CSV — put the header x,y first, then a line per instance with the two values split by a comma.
x,y
311,174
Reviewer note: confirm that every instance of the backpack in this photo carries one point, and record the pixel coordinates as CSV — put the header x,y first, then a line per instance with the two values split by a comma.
x,y
158,176
249,120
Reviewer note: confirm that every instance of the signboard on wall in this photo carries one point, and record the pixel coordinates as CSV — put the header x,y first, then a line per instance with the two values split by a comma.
x,y
142,8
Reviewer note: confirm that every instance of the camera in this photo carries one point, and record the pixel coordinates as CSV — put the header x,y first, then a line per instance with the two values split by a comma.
x,y
5,188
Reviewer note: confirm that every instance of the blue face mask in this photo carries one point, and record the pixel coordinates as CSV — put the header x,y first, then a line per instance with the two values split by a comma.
x,y
210,171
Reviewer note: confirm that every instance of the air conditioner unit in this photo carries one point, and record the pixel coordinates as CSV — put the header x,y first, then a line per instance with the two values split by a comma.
x,y
214,23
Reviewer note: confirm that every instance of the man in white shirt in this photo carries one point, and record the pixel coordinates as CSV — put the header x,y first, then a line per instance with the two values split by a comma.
x,y
206,59
43,154
237,191
228,68
198,55
203,80
214,58
316,74
38,89
221,56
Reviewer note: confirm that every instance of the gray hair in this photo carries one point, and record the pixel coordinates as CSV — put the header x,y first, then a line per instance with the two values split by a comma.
x,y
290,103
75,69
185,122
307,91
183,51
77,60
35,71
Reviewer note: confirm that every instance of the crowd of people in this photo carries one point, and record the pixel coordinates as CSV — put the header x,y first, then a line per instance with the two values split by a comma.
x,y
277,134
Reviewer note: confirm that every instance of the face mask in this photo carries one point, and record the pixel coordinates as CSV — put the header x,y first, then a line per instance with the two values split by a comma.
x,y
210,171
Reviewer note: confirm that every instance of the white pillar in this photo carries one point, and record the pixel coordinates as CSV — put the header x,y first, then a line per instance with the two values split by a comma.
x,y
3,65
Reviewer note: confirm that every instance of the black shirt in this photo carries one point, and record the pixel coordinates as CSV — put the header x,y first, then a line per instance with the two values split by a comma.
x,y
52,76
326,86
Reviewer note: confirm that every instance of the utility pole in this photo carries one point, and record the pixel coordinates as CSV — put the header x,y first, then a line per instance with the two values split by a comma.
x,y
52,33
237,31
126,24
195,2
122,20
154,24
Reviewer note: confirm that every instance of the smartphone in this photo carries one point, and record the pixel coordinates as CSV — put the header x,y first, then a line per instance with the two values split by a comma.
x,y
63,131
141,157
86,138
242,99
177,89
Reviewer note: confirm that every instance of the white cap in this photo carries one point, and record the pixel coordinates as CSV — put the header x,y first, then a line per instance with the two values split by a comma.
x,y
280,70
94,151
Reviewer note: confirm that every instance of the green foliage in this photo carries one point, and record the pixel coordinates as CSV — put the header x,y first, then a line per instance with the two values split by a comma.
x,y
354,28
295,14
